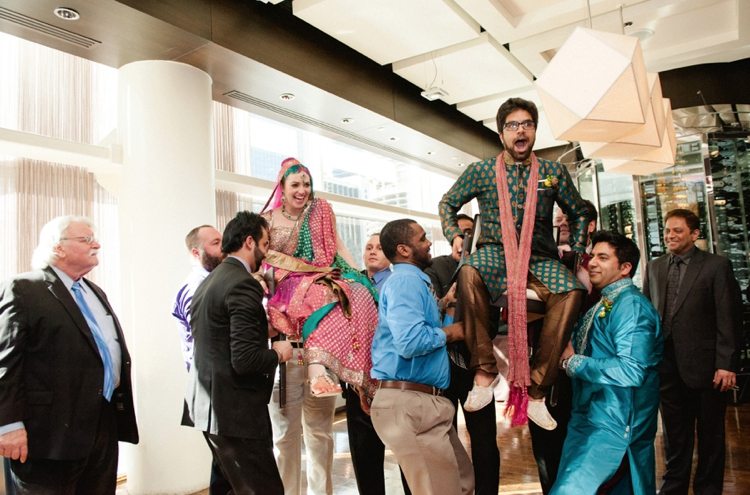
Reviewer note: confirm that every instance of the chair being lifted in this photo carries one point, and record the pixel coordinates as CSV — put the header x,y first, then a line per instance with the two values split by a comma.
x,y
535,309
534,305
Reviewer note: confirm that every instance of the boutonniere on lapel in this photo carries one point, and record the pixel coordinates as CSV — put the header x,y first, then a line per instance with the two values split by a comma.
x,y
549,182
606,307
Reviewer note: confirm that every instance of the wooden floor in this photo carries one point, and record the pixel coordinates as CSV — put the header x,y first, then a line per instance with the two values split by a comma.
x,y
518,471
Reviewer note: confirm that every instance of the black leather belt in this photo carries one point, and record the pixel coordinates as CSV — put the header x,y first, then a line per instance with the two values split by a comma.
x,y
414,387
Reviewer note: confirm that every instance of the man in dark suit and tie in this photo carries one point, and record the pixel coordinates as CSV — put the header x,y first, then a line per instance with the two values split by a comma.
x,y
231,378
698,299
65,391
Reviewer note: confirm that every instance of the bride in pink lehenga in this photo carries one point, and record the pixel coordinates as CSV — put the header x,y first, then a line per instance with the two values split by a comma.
x,y
320,299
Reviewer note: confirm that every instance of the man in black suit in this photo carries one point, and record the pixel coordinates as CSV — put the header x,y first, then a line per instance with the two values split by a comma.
x,y
698,299
65,391
231,378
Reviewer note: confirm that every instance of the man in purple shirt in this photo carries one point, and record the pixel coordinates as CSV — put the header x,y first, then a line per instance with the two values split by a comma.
x,y
204,245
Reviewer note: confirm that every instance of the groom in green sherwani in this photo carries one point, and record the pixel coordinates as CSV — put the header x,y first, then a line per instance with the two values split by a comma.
x,y
613,361
516,250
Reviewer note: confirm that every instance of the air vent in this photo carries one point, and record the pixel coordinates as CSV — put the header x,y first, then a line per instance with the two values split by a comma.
x,y
48,29
238,95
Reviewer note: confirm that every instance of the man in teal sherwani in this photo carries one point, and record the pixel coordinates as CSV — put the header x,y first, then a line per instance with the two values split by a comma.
x,y
613,363
485,276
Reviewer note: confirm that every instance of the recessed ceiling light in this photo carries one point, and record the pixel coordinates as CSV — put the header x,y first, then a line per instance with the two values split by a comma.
x,y
347,120
287,96
462,164
642,34
67,14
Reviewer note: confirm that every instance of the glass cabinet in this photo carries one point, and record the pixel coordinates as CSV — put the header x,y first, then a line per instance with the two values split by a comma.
x,y
730,173
711,177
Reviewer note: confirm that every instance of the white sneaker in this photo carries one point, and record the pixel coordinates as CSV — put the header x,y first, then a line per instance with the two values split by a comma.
x,y
538,413
480,396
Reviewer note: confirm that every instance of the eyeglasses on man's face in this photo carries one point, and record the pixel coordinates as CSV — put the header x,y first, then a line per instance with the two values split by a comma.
x,y
86,239
513,125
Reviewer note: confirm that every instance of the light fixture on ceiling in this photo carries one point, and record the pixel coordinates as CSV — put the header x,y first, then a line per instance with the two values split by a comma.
x,y
434,93
347,120
596,88
634,167
644,139
393,138
659,158
287,96
67,14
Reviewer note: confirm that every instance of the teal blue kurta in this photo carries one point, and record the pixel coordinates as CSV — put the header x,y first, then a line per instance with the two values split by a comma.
x,y
615,384
478,181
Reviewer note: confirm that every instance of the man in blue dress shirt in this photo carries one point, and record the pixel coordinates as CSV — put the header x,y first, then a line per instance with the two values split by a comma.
x,y
409,358
366,448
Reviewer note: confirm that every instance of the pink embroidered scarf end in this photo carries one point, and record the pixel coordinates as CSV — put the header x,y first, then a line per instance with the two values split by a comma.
x,y
517,255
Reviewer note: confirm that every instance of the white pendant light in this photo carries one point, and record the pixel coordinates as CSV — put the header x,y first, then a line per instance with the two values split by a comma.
x,y
652,161
595,88
644,139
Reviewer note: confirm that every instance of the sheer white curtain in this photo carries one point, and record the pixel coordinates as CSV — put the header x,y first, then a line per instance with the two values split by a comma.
x,y
45,191
224,152
227,206
51,93
33,192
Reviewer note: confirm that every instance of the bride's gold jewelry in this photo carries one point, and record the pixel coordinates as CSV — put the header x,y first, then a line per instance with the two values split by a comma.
x,y
288,216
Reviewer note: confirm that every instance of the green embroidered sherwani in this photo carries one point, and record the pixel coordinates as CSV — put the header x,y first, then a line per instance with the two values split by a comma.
x,y
478,181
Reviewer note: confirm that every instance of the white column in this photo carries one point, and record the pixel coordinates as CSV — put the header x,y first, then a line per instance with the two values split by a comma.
x,y
167,188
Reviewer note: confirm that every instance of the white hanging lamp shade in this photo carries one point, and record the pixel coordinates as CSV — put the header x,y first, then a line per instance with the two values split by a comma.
x,y
644,139
633,167
595,88
667,152
655,160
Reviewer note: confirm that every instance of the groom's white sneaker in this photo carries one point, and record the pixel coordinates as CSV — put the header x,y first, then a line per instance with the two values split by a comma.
x,y
538,413
479,396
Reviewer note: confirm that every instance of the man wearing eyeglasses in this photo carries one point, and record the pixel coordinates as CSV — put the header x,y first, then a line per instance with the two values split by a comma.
x,y
516,193
65,390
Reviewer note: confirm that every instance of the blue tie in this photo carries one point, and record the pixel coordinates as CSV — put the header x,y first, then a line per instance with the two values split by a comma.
x,y
109,376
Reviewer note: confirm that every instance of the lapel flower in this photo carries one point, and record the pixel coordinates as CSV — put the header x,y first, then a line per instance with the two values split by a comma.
x,y
606,307
551,182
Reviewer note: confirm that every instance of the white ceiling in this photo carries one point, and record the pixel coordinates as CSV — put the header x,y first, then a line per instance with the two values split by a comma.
x,y
483,51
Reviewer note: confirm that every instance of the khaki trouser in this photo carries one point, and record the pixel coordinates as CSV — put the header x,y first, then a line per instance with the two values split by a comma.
x,y
418,429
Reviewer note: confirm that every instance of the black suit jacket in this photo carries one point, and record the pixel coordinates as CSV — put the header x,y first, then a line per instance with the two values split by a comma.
x,y
51,372
231,379
706,325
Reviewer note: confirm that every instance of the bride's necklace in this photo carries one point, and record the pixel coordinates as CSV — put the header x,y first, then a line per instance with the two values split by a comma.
x,y
296,220
290,217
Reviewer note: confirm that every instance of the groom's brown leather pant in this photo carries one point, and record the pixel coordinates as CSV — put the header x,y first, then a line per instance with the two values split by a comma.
x,y
474,310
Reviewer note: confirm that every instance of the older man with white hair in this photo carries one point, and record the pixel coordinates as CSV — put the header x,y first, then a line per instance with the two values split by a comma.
x,y
65,391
